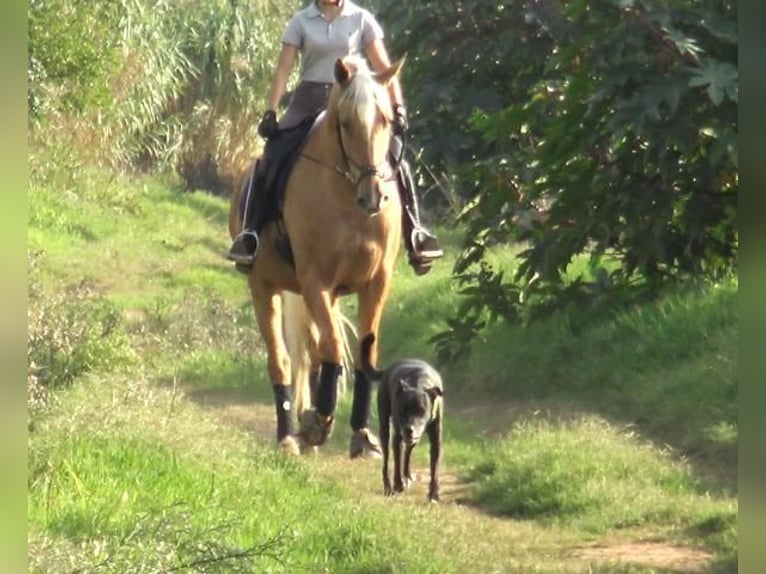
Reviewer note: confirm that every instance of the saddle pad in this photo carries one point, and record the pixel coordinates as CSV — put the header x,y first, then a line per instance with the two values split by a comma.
x,y
281,152
289,145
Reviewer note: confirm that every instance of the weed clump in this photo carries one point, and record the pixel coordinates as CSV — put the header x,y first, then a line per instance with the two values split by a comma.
x,y
71,332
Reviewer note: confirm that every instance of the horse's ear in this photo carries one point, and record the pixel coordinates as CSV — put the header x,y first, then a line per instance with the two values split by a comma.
x,y
385,76
342,72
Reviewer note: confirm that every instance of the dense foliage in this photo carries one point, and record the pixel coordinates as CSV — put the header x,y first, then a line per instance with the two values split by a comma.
x,y
153,83
72,54
603,128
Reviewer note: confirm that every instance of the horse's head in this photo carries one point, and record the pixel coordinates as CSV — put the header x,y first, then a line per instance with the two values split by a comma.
x,y
364,116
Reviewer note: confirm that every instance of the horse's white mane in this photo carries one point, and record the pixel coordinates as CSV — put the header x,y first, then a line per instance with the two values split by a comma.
x,y
363,94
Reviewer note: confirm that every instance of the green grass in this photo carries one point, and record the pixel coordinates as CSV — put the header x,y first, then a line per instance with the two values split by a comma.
x,y
583,429
669,368
591,475
141,491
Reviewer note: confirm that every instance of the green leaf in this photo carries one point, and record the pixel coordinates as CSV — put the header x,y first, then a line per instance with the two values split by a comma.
x,y
721,79
684,44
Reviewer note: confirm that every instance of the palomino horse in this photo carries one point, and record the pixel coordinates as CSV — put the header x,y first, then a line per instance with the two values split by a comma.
x,y
342,215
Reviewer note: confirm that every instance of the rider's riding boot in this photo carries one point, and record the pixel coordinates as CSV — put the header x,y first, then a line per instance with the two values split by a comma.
x,y
245,246
423,247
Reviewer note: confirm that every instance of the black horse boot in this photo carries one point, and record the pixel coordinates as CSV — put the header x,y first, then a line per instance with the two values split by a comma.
x,y
363,442
422,246
245,246
285,428
317,424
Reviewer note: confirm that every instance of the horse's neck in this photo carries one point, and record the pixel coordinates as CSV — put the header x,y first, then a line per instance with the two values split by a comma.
x,y
325,144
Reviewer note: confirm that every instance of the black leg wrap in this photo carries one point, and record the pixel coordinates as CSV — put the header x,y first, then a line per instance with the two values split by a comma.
x,y
284,403
360,410
327,394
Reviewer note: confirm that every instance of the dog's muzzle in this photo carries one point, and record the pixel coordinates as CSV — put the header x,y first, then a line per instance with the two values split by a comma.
x,y
409,437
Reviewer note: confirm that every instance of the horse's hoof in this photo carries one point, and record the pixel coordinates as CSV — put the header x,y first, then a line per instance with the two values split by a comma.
x,y
315,429
307,449
364,444
289,445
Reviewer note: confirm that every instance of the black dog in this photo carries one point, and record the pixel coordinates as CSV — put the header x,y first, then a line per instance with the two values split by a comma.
x,y
410,398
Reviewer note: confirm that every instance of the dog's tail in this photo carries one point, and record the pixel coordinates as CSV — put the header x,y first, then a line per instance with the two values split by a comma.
x,y
364,351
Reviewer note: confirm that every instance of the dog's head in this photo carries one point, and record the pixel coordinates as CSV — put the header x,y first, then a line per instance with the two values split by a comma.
x,y
415,407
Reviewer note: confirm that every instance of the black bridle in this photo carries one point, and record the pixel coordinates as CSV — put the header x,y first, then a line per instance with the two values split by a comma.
x,y
363,170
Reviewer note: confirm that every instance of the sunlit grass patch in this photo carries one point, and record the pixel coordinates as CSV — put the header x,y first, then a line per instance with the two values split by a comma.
x,y
592,476
138,503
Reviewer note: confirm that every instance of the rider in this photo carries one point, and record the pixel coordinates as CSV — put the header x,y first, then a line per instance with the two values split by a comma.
x,y
323,32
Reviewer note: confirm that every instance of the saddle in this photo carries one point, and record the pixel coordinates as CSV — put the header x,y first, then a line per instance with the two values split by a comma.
x,y
265,187
273,169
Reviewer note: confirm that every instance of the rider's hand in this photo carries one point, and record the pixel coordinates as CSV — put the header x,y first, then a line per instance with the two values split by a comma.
x,y
400,126
268,126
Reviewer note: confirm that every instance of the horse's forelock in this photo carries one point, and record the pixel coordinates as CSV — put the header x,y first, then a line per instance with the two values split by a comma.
x,y
363,96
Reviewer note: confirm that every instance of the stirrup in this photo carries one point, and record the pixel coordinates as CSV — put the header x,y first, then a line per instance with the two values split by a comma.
x,y
240,251
431,250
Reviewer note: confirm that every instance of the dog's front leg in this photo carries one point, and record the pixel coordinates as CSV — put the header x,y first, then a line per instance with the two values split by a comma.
x,y
435,439
408,478
385,437
398,484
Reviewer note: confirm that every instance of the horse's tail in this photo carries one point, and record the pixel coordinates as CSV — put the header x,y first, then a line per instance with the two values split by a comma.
x,y
364,354
299,333
301,338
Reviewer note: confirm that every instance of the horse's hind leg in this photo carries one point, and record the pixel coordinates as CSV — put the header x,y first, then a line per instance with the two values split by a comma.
x,y
315,362
371,303
268,311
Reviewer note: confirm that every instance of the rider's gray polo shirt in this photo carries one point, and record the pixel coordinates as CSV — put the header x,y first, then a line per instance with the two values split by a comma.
x,y
321,42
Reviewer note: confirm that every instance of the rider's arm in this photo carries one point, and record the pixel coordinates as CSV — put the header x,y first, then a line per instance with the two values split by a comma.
x,y
378,56
285,64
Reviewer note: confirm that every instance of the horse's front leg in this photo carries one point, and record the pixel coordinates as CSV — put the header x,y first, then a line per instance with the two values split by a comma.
x,y
268,311
372,300
317,424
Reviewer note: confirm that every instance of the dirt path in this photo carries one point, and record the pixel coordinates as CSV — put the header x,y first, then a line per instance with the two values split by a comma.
x,y
239,410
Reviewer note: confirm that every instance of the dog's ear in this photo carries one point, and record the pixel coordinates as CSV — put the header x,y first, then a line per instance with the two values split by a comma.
x,y
435,392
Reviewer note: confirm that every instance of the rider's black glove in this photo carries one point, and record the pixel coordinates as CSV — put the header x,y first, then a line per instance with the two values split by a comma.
x,y
400,126
268,126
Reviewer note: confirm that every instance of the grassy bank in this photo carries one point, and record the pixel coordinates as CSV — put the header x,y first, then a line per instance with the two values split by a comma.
x,y
154,452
